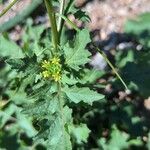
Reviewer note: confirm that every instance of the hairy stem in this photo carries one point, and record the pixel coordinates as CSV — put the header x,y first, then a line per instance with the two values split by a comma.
x,y
61,110
52,19
8,7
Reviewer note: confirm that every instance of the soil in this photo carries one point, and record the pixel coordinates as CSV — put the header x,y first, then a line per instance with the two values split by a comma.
x,y
106,15
109,16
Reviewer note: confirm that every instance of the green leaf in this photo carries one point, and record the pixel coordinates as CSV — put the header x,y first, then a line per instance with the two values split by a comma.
x,y
15,63
118,144
42,109
137,73
118,141
123,57
76,55
26,67
58,138
32,32
139,24
148,142
19,97
20,121
25,124
90,76
136,142
81,15
84,94
67,113
79,132
9,48
68,80
31,38
6,114
53,131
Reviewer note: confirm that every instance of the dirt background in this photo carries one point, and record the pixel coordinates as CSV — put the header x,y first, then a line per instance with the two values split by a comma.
x,y
107,16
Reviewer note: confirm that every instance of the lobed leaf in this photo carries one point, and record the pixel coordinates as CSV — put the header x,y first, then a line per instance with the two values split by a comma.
x,y
76,55
84,94
79,132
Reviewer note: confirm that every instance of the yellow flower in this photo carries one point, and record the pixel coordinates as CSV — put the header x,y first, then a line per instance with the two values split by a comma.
x,y
52,69
45,74
55,61
45,64
56,76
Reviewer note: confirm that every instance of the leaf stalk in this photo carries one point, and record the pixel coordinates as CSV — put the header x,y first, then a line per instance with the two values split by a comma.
x,y
112,67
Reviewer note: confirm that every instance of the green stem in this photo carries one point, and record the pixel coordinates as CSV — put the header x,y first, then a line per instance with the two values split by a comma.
x,y
112,67
69,5
60,21
69,22
61,110
52,18
8,7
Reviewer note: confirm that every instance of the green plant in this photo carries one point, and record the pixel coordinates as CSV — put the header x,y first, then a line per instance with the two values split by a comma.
x,y
50,81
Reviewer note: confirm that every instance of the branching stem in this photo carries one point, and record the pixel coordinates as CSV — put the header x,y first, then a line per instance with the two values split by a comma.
x,y
100,51
69,22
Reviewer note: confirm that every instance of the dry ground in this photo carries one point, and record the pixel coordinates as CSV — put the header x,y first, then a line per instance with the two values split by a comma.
x,y
106,15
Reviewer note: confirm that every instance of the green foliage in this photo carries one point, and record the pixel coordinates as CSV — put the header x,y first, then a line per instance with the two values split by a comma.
x,y
126,126
39,112
80,133
139,24
119,140
9,48
135,64
75,54
137,73
141,28
91,76
86,95
45,98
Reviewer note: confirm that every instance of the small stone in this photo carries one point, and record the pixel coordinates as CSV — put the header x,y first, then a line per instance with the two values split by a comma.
x,y
98,62
147,103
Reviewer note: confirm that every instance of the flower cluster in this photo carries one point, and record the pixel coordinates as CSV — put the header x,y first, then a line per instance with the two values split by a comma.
x,y
52,69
